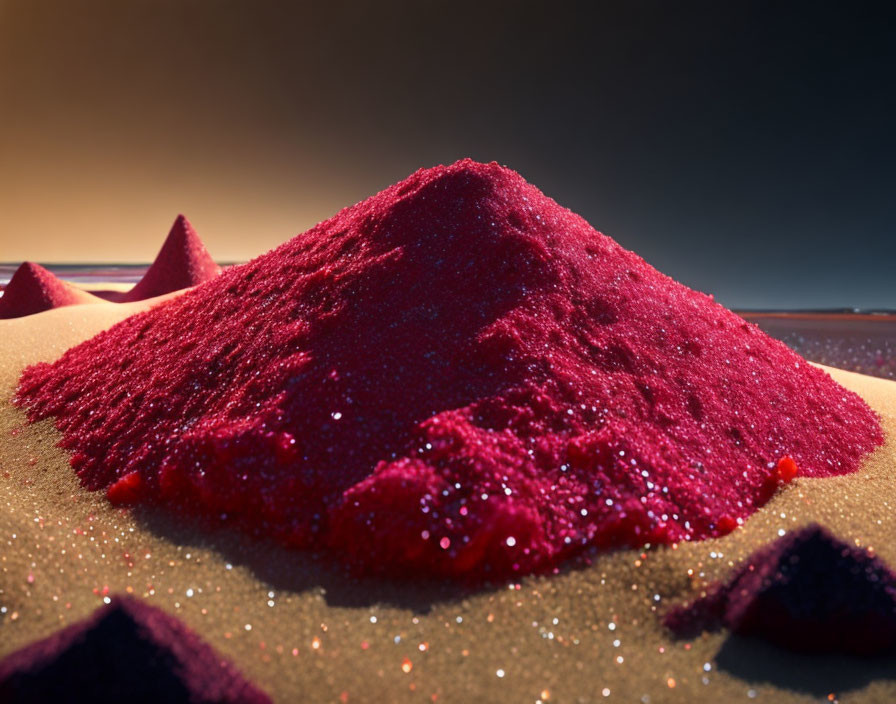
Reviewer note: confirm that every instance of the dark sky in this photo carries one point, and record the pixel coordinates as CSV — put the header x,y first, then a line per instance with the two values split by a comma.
x,y
745,148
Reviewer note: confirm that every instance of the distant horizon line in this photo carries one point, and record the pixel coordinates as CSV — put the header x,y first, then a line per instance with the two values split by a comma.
x,y
761,312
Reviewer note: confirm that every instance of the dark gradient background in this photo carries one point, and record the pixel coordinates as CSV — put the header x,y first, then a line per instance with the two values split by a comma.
x,y
746,148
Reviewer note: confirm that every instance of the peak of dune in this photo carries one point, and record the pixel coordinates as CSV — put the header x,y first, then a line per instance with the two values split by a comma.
x,y
456,376
182,262
33,289
125,650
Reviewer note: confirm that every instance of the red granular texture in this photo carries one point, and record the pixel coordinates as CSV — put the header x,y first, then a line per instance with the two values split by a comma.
x,y
182,262
454,377
32,289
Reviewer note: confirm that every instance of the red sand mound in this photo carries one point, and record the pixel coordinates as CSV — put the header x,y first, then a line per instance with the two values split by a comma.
x,y
807,591
456,376
33,289
182,262
125,652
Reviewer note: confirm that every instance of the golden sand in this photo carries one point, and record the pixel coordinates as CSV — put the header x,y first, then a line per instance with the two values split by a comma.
x,y
306,632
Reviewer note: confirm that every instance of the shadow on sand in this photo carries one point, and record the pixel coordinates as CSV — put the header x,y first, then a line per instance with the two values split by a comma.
x,y
286,569
816,674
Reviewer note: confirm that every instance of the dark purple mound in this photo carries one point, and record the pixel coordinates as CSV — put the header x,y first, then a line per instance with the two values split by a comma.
x,y
125,652
807,591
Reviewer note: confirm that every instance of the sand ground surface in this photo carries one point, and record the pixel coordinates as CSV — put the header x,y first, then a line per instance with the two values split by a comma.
x,y
305,631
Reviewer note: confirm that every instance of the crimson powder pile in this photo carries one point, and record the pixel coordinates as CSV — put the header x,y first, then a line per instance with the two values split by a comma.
x,y
456,377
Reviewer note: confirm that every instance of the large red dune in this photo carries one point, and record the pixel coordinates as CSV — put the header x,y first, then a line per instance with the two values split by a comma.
x,y
457,376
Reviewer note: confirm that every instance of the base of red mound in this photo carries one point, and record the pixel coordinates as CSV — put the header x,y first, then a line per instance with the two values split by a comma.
x,y
125,652
807,591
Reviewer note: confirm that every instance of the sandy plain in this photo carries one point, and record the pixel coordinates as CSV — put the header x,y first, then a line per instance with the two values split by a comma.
x,y
306,631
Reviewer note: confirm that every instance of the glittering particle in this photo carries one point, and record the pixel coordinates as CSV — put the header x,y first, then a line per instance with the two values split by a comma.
x,y
511,541
499,672
605,691
315,643
445,543
406,666
786,470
